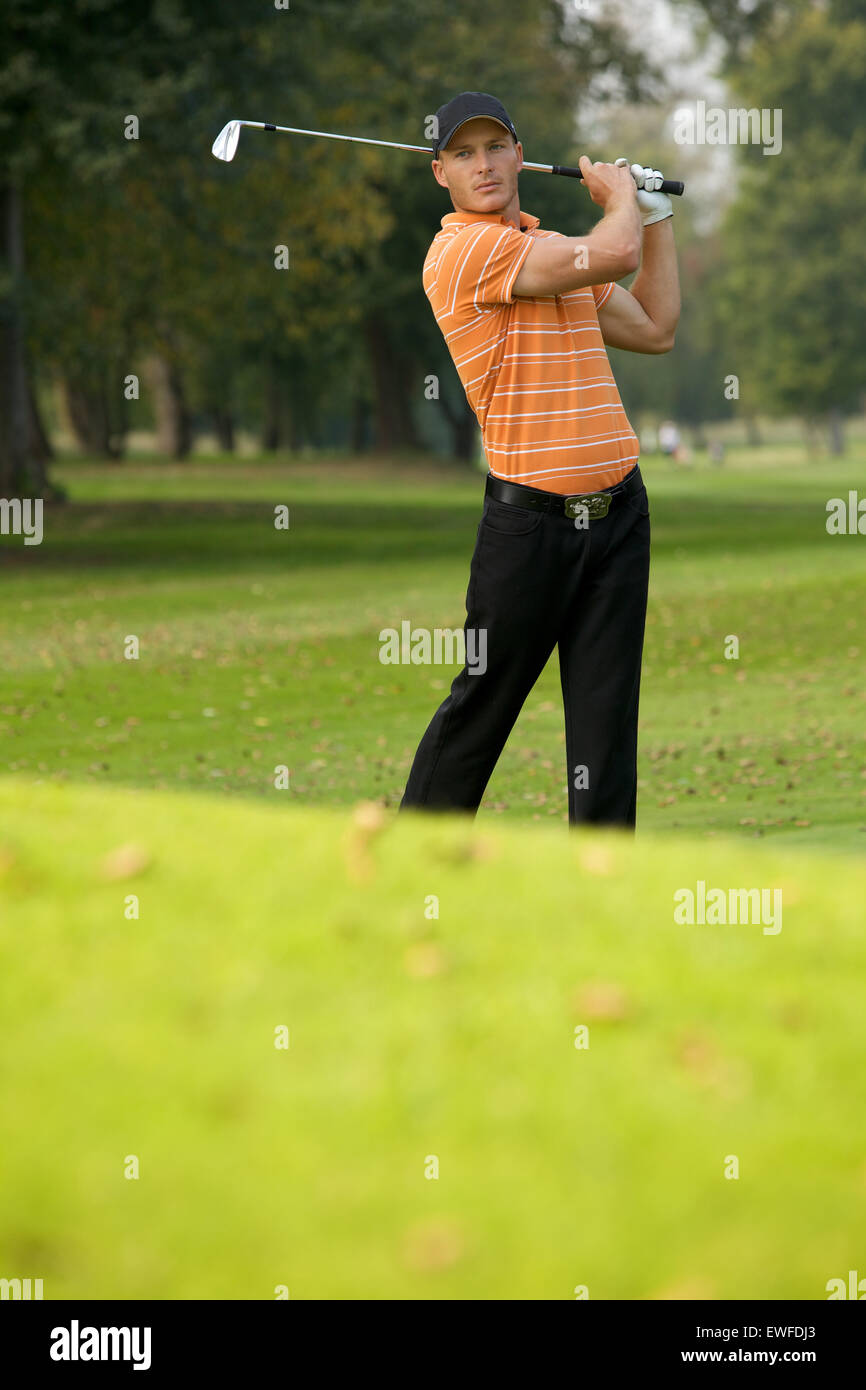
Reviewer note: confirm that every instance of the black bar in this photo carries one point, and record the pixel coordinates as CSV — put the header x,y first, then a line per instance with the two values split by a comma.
x,y
227,1339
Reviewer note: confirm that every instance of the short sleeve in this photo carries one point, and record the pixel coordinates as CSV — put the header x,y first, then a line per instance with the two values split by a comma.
x,y
601,293
479,267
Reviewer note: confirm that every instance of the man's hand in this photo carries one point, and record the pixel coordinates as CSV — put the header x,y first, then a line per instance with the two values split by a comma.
x,y
607,183
654,206
558,265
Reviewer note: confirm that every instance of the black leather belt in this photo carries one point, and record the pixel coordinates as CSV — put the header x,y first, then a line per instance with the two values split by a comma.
x,y
591,504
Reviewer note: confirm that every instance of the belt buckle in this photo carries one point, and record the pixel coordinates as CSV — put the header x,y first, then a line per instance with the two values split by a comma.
x,y
591,504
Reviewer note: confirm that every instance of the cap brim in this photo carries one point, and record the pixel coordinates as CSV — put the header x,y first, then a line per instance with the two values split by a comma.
x,y
481,116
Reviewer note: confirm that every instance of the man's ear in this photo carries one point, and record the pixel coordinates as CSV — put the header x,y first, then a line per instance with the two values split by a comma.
x,y
439,172
519,156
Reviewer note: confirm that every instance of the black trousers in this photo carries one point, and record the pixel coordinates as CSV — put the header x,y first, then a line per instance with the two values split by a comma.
x,y
538,581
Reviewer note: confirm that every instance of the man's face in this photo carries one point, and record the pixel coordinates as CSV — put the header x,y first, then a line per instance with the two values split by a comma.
x,y
480,165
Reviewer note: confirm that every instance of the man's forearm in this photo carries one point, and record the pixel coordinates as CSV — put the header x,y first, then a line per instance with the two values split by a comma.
x,y
619,229
656,286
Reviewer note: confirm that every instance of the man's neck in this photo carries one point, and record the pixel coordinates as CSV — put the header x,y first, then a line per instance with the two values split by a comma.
x,y
510,214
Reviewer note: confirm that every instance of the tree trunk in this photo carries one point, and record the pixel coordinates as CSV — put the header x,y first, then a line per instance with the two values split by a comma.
x,y
272,425
173,426
358,424
393,425
812,437
87,407
224,426
464,428
298,437
836,425
753,434
466,436
22,470
289,411
40,444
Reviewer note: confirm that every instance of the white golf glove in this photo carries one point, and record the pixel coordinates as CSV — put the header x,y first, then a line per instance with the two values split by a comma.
x,y
654,206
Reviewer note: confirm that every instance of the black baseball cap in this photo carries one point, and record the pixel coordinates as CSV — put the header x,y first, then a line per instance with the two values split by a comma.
x,y
464,108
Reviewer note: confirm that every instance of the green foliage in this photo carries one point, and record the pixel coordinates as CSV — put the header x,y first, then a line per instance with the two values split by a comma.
x,y
790,299
151,244
740,22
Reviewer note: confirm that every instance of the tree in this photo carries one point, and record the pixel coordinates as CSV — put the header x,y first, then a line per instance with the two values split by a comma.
x,y
67,73
147,257
791,299
388,70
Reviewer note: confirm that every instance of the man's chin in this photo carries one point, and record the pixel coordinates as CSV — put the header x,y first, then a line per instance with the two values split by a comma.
x,y
494,201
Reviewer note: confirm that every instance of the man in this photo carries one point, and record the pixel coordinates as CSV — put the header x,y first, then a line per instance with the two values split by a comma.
x,y
562,550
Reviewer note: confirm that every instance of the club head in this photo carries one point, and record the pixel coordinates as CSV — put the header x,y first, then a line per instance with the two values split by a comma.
x,y
226,143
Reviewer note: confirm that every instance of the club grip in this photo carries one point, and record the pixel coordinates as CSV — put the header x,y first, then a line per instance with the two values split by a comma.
x,y
675,187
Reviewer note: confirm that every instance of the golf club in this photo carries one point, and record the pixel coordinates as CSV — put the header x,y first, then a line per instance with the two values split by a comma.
x,y
226,143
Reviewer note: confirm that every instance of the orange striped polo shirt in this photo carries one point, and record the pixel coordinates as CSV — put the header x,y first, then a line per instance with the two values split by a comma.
x,y
535,371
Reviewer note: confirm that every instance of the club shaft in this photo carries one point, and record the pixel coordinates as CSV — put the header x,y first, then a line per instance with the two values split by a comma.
x,y
329,135
673,186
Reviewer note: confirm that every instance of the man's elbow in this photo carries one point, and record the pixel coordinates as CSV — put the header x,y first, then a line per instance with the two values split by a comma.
x,y
663,337
628,258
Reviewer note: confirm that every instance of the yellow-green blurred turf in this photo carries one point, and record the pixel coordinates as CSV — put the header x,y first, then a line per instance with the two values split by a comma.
x,y
413,1036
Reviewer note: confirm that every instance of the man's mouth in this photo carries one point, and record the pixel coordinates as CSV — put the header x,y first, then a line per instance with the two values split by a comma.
x,y
486,187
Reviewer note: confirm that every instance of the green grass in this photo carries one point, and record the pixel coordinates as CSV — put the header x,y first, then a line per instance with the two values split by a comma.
x,y
414,1036
260,648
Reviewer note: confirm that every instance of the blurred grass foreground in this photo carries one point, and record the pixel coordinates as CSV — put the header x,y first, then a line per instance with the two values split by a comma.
x,y
340,1054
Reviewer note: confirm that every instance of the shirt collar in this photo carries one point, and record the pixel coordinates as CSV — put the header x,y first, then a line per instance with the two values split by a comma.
x,y
460,219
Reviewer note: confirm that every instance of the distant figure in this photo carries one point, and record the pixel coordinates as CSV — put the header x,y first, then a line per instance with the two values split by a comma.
x,y
669,439
717,452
